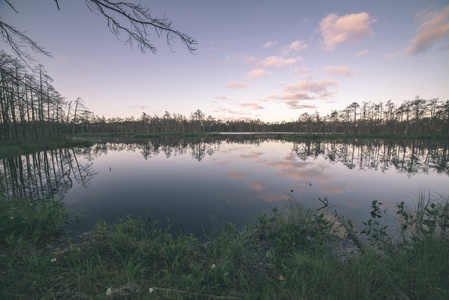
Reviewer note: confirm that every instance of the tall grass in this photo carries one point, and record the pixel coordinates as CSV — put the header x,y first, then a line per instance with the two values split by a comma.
x,y
290,253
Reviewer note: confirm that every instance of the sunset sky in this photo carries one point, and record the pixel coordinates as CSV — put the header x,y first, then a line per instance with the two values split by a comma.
x,y
272,60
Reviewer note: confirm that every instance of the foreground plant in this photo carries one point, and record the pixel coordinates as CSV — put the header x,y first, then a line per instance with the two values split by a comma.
x,y
290,253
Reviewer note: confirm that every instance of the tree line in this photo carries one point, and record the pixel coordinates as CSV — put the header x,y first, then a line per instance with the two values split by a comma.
x,y
32,109
412,117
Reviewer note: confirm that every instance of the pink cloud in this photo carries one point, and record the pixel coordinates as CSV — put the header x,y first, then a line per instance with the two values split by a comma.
x,y
293,104
295,46
392,55
236,175
269,44
236,85
254,186
362,53
300,170
253,106
257,73
434,27
301,70
294,94
334,189
348,28
338,70
277,61
320,89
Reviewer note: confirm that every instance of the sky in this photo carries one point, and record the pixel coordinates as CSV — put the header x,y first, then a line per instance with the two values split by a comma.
x,y
256,59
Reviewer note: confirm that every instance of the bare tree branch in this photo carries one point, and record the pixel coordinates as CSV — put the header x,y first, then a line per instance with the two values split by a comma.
x,y
140,21
17,40
57,4
13,6
137,31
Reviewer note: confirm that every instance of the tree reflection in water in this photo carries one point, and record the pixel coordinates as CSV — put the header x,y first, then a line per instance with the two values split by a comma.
x,y
406,156
249,179
45,174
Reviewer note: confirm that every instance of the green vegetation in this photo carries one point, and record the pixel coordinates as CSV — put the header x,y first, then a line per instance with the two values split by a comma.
x,y
291,253
11,149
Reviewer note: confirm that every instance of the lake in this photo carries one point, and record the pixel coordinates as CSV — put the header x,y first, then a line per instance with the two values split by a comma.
x,y
199,183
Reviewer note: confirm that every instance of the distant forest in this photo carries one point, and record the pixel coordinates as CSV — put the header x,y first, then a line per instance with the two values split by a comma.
x,y
32,109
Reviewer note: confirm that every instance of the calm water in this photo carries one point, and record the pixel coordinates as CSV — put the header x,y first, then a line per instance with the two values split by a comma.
x,y
198,184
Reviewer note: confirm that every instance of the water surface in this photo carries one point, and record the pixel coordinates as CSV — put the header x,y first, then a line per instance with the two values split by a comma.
x,y
201,183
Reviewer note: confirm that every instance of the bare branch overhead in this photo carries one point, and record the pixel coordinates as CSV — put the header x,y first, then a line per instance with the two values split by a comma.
x,y
137,31
18,40
141,22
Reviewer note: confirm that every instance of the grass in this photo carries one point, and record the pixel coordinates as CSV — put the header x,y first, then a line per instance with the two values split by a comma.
x,y
290,253
11,149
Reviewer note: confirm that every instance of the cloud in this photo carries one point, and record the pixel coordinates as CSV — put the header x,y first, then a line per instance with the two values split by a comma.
x,y
252,155
138,106
226,114
226,110
293,95
348,28
338,70
221,98
300,170
434,27
336,188
315,89
297,96
293,104
295,46
362,53
253,106
301,69
277,61
269,44
392,55
254,186
257,73
236,175
236,85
